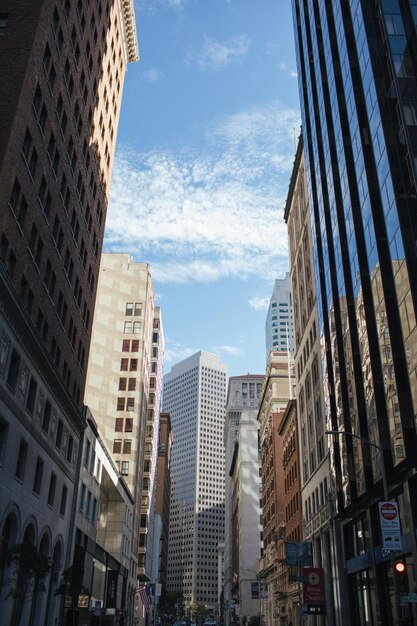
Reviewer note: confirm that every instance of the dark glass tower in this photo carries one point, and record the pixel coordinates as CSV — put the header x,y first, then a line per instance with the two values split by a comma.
x,y
357,67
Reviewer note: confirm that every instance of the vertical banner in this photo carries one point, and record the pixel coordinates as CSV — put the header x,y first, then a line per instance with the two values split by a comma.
x,y
111,589
313,590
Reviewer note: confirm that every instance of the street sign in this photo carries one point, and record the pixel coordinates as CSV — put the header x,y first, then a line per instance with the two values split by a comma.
x,y
293,578
389,519
291,553
313,589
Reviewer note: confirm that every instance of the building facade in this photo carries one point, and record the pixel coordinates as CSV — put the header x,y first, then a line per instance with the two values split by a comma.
x,y
62,68
311,416
357,80
119,391
243,396
194,394
278,388
279,329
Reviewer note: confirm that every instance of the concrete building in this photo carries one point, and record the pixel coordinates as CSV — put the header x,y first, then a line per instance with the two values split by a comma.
x,y
195,396
279,329
278,387
357,91
103,536
122,390
242,400
62,67
315,469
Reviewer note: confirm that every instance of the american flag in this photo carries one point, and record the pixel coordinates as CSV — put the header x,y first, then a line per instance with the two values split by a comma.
x,y
145,596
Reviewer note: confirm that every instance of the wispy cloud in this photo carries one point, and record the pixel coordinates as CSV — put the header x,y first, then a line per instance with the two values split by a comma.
x,y
287,70
229,350
157,6
213,213
176,352
259,303
153,75
217,55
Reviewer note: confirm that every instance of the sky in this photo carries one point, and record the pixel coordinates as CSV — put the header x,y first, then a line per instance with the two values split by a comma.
x,y
204,155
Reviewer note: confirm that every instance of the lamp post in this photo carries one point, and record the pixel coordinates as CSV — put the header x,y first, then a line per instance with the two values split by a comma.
x,y
369,443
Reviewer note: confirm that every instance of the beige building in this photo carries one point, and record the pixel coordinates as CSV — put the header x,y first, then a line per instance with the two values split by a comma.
x,y
119,375
315,469
278,388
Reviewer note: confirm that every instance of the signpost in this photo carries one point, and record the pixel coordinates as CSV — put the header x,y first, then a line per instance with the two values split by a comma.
x,y
389,519
313,590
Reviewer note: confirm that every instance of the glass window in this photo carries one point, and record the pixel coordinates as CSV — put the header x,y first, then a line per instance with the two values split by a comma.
x,y
138,309
21,460
37,481
136,328
129,308
127,328
51,492
63,505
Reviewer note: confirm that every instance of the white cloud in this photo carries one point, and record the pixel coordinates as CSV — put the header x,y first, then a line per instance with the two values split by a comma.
x,y
156,6
229,350
153,75
217,55
202,216
290,72
259,303
176,352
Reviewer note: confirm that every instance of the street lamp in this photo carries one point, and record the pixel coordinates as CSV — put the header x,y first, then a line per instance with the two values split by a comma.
x,y
369,443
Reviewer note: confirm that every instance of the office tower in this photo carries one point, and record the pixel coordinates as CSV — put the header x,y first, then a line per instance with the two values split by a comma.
x,y
279,329
195,395
62,68
123,383
357,73
315,468
240,428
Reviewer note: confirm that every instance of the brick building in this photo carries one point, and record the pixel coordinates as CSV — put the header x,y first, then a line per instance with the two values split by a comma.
x,y
62,66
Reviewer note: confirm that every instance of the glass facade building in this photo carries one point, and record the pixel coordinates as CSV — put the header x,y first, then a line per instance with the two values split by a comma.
x,y
357,67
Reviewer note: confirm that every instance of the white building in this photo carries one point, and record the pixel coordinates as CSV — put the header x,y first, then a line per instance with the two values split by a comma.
x,y
195,396
242,399
279,328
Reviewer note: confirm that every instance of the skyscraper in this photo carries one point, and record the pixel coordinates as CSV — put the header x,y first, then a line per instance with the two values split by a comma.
x,y
62,67
194,394
279,330
241,435
358,79
124,381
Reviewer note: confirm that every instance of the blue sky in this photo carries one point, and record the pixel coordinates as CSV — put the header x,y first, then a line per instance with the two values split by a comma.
x,y
204,154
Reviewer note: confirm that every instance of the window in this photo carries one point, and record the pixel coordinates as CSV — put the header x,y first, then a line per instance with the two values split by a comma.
x,y
37,481
127,446
130,404
59,432
126,345
117,446
122,384
63,504
70,448
138,309
136,328
125,468
4,431
30,401
13,373
51,492
82,498
124,364
135,345
3,22
132,384
129,308
87,453
21,460
120,404
46,417
128,425
133,365
118,426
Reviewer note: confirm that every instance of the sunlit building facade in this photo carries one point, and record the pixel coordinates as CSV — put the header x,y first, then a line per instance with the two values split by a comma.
x,y
358,89
279,329
194,394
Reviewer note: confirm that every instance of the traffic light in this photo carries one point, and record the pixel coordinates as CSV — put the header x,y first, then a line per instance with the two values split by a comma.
x,y
401,578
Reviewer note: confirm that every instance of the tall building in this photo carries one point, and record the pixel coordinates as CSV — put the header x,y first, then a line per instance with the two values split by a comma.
x,y
277,390
124,383
195,396
358,78
311,416
243,396
62,68
279,330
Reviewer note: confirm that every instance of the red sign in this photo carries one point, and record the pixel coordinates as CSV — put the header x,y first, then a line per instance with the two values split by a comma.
x,y
313,589
388,511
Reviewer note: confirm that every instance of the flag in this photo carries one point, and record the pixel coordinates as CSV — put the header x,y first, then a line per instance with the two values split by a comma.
x,y
145,596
